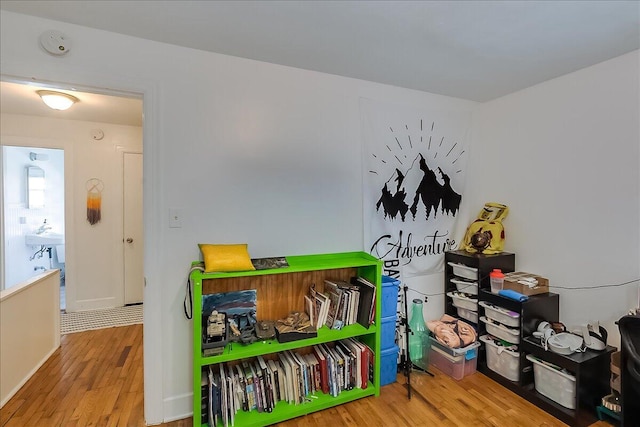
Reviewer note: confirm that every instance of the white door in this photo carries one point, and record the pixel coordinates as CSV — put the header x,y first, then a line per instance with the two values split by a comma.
x,y
132,237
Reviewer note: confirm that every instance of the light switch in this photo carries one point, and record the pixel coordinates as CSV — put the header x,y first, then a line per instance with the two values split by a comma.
x,y
175,218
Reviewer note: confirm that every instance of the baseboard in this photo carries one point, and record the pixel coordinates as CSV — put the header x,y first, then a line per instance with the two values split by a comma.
x,y
94,304
178,407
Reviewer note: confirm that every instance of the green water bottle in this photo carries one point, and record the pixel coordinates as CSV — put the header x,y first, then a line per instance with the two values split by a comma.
x,y
419,337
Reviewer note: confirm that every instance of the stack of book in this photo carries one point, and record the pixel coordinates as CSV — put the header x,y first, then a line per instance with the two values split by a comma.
x,y
342,303
350,302
259,384
317,307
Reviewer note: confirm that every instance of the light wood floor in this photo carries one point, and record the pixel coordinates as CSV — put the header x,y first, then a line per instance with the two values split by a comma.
x,y
95,379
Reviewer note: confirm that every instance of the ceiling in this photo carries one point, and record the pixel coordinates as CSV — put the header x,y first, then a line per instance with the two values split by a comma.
x,y
476,50
19,98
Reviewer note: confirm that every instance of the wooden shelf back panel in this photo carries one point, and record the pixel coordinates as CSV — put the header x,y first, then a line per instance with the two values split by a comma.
x,y
278,294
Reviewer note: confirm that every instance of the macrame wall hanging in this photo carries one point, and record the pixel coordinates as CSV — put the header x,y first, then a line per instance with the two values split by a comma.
x,y
94,200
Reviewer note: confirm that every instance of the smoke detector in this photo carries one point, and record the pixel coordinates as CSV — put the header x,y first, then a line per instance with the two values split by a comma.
x,y
97,134
55,42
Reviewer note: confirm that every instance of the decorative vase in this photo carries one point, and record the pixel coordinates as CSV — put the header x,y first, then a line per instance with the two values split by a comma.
x,y
419,337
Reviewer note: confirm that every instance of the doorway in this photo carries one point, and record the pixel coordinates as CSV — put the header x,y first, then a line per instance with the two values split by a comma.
x,y
33,214
93,134
132,231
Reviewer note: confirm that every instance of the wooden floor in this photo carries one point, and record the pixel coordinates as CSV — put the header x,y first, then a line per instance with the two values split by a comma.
x,y
95,379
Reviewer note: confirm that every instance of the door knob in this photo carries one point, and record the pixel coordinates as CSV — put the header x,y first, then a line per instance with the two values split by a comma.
x,y
129,240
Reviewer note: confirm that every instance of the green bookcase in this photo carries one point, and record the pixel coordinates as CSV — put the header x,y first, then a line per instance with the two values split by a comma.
x,y
280,291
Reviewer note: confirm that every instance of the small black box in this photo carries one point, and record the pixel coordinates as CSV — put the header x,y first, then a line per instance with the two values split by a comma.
x,y
295,335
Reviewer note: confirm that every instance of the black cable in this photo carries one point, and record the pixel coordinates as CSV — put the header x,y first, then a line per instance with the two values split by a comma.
x,y
550,286
597,286
187,304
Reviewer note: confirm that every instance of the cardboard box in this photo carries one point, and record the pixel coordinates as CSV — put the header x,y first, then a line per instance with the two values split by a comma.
x,y
517,281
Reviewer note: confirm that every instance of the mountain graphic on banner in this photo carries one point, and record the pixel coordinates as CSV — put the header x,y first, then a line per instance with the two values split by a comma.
x,y
424,187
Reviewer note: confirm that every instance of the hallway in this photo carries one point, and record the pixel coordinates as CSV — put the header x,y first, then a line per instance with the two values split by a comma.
x,y
94,378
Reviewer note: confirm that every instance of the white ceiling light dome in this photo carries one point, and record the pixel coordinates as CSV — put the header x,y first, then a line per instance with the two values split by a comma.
x,y
57,100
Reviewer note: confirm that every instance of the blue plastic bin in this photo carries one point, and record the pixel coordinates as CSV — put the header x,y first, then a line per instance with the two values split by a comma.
x,y
390,289
388,332
389,365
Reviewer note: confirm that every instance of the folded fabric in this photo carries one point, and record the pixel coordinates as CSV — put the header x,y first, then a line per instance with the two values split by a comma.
x,y
510,293
452,332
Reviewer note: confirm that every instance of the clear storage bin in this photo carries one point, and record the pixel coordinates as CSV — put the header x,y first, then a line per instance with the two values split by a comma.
x,y
503,332
551,381
471,316
502,360
466,286
462,270
455,362
499,314
461,301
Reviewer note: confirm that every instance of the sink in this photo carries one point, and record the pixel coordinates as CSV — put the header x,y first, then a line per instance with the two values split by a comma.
x,y
44,239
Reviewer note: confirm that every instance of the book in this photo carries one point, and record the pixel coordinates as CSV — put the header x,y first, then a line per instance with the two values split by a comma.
x,y
277,380
337,362
353,316
344,306
292,379
303,375
269,401
335,307
213,399
356,352
322,306
224,403
353,366
371,361
364,362
366,308
351,295
334,389
283,380
313,362
204,397
251,396
258,385
243,388
347,373
232,394
271,388
310,309
322,359
296,378
269,263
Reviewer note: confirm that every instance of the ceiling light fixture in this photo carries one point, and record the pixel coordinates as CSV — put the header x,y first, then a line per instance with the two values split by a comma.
x,y
57,100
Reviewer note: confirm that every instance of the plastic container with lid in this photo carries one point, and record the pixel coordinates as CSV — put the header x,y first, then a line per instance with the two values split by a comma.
x,y
496,278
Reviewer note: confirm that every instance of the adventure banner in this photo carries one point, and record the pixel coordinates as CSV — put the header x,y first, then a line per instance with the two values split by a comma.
x,y
414,174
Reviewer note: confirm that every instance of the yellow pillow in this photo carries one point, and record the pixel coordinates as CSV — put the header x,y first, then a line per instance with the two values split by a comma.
x,y
221,258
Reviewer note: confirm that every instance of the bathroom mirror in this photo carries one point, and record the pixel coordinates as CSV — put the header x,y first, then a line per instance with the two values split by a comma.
x,y
35,187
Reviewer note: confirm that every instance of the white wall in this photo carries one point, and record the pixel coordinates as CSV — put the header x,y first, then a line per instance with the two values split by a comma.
x,y
251,152
29,329
94,253
564,155
270,155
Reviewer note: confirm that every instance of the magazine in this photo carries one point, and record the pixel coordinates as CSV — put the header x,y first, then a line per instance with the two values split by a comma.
x,y
269,263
